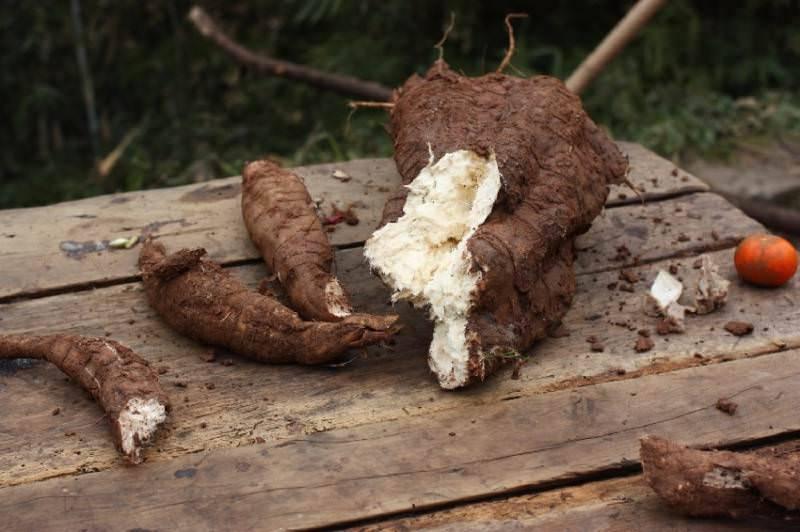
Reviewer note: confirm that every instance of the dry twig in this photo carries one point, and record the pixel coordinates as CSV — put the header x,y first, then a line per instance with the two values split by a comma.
x,y
342,84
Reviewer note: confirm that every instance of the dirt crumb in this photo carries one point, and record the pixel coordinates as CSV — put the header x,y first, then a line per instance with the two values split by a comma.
x,y
667,326
644,332
644,344
739,328
727,406
628,275
56,411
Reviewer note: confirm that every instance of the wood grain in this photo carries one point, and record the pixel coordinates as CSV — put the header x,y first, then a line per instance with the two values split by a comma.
x,y
396,466
250,401
49,248
617,505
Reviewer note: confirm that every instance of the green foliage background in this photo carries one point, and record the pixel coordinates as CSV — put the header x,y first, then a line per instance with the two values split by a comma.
x,y
701,75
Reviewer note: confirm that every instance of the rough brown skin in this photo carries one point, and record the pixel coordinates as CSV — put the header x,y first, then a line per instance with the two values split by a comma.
x,y
280,218
556,166
109,371
721,483
201,300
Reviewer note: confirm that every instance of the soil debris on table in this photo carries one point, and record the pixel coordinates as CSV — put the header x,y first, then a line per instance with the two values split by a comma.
x,y
727,406
644,344
739,328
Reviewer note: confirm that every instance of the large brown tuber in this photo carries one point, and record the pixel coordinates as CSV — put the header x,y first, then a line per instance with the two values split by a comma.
x,y
282,223
199,299
122,382
501,174
720,483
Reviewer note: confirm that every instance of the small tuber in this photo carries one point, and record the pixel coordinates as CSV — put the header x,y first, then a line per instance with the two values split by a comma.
x,y
720,483
122,382
280,218
201,300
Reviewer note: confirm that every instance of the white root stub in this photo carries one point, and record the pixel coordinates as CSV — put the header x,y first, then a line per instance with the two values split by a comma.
x,y
423,256
336,299
138,422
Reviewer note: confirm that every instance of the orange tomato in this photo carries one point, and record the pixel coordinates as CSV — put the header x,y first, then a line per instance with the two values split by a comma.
x,y
765,260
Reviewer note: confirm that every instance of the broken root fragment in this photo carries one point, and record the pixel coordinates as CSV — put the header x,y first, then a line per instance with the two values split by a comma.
x,y
501,174
122,382
203,301
279,215
720,483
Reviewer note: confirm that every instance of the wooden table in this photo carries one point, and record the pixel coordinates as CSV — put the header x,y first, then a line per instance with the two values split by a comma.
x,y
251,446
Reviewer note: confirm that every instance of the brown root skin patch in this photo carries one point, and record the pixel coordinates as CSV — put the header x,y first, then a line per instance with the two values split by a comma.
x,y
721,483
207,303
112,373
280,218
556,167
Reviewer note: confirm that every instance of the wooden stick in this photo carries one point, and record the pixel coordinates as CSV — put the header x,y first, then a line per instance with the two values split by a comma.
x,y
348,85
614,42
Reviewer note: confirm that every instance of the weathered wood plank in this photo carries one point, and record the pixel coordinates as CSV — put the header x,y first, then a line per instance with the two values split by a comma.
x,y
617,505
378,469
49,248
250,401
654,231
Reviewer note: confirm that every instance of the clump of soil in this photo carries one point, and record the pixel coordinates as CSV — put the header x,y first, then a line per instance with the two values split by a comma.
x,y
727,406
739,328
644,344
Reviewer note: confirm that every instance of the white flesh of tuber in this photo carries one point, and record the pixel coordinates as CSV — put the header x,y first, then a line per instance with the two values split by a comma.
x,y
423,256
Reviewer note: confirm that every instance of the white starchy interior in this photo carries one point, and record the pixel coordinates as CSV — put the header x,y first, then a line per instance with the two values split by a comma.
x,y
723,478
664,295
336,299
138,421
666,289
424,255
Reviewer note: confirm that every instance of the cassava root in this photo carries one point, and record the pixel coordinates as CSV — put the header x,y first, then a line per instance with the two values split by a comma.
x,y
721,483
123,383
201,300
282,223
504,274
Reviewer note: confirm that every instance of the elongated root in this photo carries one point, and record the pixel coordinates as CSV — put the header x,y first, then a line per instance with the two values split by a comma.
x,y
282,223
122,382
720,483
201,300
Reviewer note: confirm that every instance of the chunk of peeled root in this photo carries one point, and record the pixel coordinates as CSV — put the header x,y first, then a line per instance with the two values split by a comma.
x,y
201,300
500,174
282,223
662,300
123,383
721,483
711,289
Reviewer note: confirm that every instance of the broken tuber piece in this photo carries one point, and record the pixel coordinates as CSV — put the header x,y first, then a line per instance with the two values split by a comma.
x,y
501,174
122,382
720,483
662,300
280,218
711,289
201,300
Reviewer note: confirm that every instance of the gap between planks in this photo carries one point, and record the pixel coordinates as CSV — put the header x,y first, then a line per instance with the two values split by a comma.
x,y
385,469
601,230
207,215
386,385
618,502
